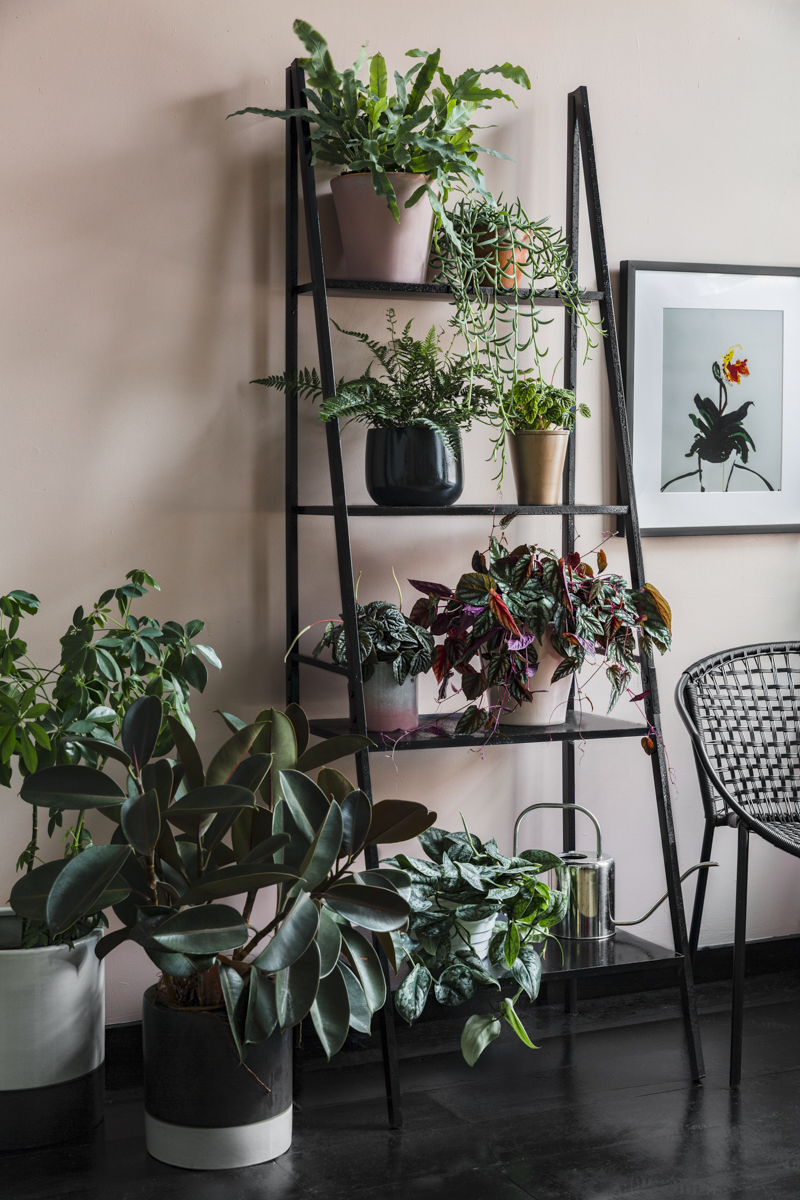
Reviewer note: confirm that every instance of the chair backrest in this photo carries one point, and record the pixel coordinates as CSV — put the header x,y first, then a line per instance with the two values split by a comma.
x,y
742,708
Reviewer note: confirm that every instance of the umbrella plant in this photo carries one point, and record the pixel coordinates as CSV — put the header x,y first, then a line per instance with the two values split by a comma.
x,y
73,711
465,879
497,611
190,837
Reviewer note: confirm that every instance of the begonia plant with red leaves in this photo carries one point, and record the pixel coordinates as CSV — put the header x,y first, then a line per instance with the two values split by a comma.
x,y
492,619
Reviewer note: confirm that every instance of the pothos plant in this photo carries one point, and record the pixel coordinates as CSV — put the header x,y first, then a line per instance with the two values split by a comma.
x,y
384,635
420,385
497,263
187,837
422,128
466,880
512,598
73,710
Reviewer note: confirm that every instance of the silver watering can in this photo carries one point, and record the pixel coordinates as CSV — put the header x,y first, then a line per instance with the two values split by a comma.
x,y
588,880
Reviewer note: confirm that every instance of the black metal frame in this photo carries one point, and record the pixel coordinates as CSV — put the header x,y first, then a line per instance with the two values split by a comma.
x,y
626,952
755,688
628,271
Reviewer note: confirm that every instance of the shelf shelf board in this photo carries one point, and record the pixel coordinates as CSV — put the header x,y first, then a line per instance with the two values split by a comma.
x,y
378,289
439,731
623,952
466,510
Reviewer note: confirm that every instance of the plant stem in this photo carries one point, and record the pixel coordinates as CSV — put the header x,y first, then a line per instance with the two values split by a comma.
x,y
34,846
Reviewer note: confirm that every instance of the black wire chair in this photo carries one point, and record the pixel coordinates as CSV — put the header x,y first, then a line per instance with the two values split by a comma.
x,y
742,710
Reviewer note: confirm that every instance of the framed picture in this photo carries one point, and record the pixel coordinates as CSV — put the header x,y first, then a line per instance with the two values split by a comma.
x,y
713,396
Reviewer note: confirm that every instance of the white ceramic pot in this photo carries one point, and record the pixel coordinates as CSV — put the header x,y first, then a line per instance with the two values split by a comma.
x,y
476,934
52,1039
548,703
376,247
391,706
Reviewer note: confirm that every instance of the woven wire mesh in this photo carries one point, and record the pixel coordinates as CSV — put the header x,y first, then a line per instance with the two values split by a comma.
x,y
747,711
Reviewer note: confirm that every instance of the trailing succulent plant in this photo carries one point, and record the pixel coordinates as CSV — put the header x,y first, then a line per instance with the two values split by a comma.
x,y
73,710
187,836
462,880
422,385
384,635
510,599
423,129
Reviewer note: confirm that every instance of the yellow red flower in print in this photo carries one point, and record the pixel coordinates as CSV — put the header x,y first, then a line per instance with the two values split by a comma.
x,y
734,370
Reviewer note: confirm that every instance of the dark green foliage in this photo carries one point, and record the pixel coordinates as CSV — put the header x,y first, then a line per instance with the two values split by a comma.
x,y
384,635
533,403
420,385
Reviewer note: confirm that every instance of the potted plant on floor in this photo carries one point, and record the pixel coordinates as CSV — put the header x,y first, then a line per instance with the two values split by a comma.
x,y
402,153
233,983
477,918
524,621
538,419
394,651
415,410
52,1036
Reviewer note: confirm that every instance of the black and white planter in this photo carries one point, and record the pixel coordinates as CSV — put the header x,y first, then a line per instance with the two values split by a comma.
x,y
52,1039
203,1108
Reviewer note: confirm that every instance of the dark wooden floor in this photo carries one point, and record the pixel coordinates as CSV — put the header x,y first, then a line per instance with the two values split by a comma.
x,y
603,1109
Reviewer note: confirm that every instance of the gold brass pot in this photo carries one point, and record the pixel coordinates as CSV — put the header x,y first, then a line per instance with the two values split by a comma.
x,y
537,456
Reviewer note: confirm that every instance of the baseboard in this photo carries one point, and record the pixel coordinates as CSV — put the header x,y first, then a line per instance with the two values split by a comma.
x,y
766,956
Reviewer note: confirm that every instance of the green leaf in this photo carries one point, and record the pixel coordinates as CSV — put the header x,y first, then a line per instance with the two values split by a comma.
x,y
545,860
374,908
277,738
197,808
356,818
266,849
323,851
106,749
308,803
332,749
527,970
398,821
300,725
296,987
330,1012
235,881
195,671
388,877
510,1017
70,787
209,929
474,588
478,1032
293,937
360,1015
231,754
236,997
250,828
158,775
334,784
511,945
377,75
140,729
262,1008
252,771
208,653
411,997
81,884
29,894
234,723
329,941
455,984
110,942
175,965
366,964
188,753
141,821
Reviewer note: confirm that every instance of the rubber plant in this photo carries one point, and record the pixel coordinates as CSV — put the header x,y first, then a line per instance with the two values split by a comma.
x,y
420,384
73,711
492,618
426,127
465,879
189,836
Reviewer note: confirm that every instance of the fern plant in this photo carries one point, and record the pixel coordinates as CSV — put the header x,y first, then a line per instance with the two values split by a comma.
x,y
420,384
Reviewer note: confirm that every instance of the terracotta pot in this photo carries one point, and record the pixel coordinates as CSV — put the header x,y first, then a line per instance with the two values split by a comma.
x,y
376,247
547,705
510,260
390,705
537,457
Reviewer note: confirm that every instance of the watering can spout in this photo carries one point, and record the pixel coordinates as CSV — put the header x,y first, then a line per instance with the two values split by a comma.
x,y
658,903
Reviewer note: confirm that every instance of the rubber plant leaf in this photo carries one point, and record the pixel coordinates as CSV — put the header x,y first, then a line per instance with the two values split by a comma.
x,y
331,749
70,787
360,1015
296,988
366,964
80,885
329,941
141,821
188,753
29,894
293,937
141,726
398,821
209,929
262,1008
231,754
330,1012
374,908
236,995
234,881
356,817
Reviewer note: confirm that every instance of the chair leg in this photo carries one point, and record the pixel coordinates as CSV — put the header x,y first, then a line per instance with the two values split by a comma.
x,y
700,890
739,945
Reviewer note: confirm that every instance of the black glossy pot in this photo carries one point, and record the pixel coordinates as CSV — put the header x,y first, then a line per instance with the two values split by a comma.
x,y
412,466
203,1108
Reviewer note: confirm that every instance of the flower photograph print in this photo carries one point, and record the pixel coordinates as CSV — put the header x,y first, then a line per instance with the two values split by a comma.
x,y
713,403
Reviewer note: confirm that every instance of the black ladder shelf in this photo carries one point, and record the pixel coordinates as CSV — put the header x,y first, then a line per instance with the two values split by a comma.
x,y
624,952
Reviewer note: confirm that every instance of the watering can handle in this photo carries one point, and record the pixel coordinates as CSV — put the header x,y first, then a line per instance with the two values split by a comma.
x,y
578,807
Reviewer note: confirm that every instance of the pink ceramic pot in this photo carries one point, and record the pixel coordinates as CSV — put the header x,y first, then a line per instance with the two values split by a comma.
x,y
548,703
376,247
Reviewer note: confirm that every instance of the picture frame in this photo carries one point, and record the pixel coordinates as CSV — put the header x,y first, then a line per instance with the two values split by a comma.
x,y
712,400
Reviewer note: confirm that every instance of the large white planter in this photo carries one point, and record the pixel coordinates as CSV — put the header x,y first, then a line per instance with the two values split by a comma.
x,y
52,1039
548,703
